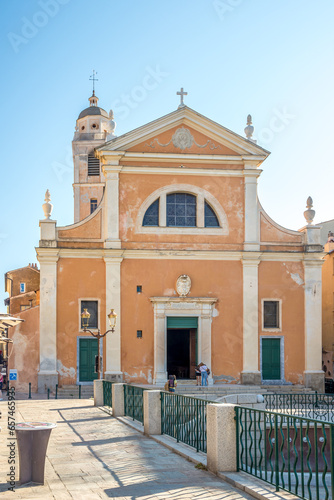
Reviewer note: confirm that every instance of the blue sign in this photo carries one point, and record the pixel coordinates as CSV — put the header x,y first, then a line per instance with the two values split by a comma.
x,y
12,374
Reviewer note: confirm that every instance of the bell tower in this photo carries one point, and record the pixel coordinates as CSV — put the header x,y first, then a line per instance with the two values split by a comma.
x,y
94,127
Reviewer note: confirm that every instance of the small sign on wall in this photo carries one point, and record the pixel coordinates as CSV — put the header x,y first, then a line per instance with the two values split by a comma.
x,y
12,374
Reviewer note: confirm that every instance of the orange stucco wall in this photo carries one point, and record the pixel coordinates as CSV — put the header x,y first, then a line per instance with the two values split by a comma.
x,y
23,354
77,279
209,146
285,281
86,230
271,233
135,188
209,279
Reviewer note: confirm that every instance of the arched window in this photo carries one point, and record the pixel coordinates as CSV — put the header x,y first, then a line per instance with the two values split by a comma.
x,y
181,210
211,219
151,217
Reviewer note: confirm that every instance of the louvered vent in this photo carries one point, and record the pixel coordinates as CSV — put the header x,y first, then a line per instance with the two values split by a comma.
x,y
93,165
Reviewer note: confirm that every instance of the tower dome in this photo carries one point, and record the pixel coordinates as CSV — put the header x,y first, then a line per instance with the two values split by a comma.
x,y
93,123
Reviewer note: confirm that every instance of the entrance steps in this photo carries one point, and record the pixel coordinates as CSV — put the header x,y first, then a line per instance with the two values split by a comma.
x,y
72,392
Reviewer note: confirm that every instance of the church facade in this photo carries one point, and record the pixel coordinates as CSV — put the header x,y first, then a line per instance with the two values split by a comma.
x,y
169,232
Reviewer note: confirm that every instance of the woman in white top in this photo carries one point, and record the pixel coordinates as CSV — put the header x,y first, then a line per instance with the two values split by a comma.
x,y
204,374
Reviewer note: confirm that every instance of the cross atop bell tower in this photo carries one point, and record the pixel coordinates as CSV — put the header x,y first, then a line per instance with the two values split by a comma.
x,y
93,100
181,94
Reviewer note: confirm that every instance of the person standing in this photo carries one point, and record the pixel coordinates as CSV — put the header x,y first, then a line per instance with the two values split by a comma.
x,y
204,374
172,383
1,383
198,375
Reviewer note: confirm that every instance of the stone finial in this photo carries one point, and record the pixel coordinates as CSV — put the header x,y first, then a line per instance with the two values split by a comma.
x,y
309,213
249,129
112,122
47,206
330,237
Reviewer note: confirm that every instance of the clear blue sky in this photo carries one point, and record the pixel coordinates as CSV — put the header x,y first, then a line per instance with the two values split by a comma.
x,y
273,59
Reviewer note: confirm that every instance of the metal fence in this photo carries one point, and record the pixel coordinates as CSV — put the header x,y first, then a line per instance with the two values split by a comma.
x,y
312,405
134,402
184,418
293,453
107,393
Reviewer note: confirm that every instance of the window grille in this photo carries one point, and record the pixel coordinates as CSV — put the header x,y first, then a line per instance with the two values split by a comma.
x,y
181,210
92,307
151,217
211,219
270,314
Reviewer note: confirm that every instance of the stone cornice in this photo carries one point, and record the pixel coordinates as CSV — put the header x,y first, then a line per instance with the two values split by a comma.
x,y
191,300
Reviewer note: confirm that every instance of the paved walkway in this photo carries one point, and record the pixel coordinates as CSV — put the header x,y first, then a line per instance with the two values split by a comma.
x,y
92,456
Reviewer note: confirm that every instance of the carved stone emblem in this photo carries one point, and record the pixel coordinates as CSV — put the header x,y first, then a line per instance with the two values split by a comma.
x,y
183,285
182,138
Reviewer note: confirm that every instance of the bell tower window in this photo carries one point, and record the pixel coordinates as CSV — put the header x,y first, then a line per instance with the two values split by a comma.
x,y
93,205
93,165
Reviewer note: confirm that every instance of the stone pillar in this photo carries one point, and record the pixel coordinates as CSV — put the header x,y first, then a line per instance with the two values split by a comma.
x,y
111,205
48,375
118,400
152,412
221,438
252,230
313,374
98,393
113,301
250,373
160,368
204,347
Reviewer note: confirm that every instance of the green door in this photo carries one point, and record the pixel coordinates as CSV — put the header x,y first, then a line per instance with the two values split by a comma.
x,y
271,359
88,349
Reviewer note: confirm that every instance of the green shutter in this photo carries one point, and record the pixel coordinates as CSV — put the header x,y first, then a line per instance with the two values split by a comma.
x,y
271,359
182,322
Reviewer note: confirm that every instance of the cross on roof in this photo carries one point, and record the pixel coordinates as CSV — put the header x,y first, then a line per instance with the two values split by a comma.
x,y
181,94
93,79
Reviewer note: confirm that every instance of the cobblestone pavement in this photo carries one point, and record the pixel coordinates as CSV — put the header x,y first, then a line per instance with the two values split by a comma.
x,y
92,456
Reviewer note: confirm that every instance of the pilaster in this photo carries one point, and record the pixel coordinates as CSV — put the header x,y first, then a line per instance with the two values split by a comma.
x,y
111,205
250,373
252,230
313,375
113,301
48,375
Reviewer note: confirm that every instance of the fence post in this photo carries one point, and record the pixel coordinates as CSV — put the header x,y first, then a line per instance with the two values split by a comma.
x,y
221,438
98,393
332,457
152,412
118,400
80,392
276,455
48,393
56,395
29,396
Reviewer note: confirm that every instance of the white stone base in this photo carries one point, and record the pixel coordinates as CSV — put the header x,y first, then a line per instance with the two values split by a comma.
x,y
113,376
315,380
47,380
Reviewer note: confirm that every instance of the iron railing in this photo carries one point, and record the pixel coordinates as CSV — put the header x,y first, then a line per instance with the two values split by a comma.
x,y
134,402
293,453
184,419
107,393
312,405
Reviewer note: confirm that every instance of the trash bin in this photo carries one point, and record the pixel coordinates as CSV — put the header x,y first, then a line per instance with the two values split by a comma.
x,y
32,441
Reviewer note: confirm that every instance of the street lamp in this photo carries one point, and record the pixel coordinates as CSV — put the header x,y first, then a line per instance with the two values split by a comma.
x,y
85,316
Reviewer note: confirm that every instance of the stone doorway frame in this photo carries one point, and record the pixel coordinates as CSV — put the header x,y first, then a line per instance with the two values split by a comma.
x,y
200,307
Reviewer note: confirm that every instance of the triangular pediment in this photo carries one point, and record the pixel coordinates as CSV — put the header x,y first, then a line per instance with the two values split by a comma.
x,y
184,131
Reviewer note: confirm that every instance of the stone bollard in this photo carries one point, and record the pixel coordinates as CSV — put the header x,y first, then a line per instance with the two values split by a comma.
x,y
152,412
98,393
118,400
221,438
